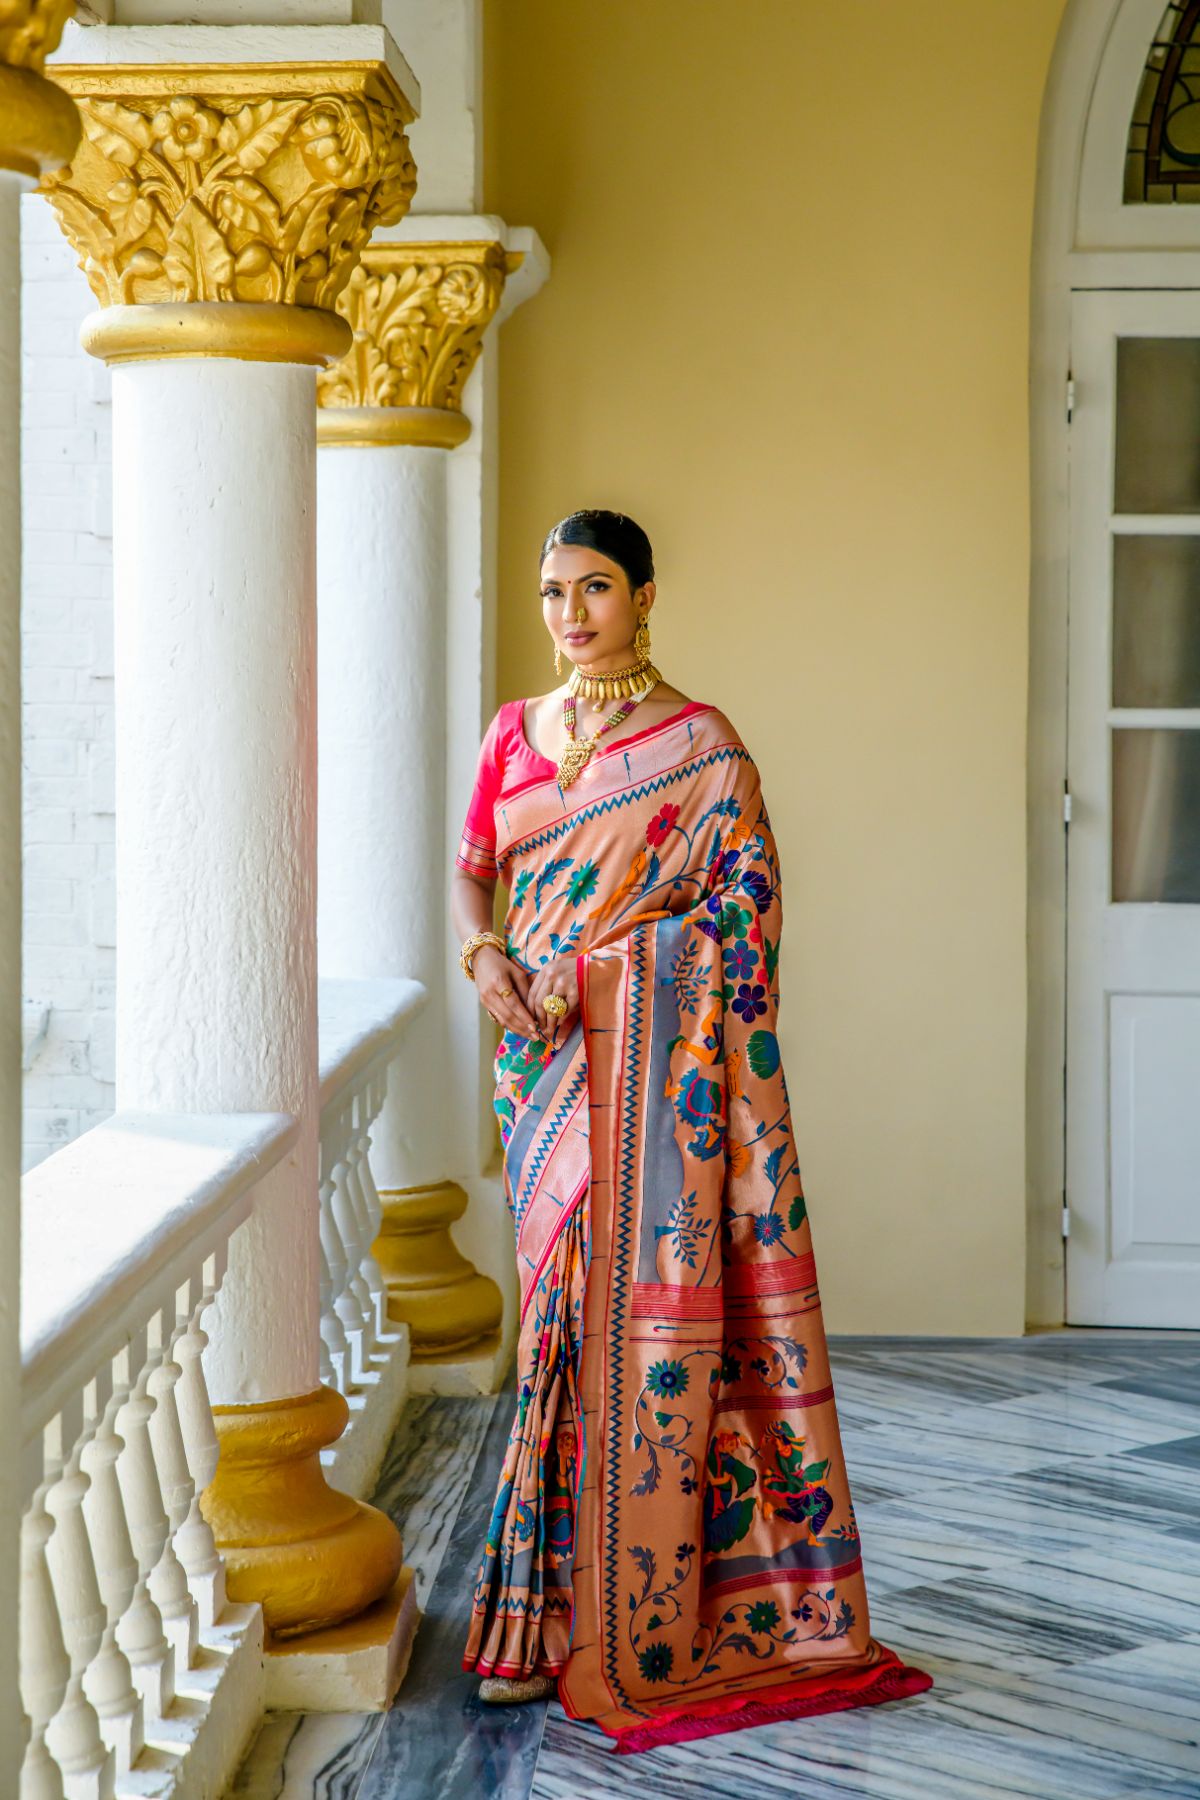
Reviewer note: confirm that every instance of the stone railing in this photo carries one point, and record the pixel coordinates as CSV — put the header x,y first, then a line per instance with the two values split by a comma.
x,y
137,1675
363,1355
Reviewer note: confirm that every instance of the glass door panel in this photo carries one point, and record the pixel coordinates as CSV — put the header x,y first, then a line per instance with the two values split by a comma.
x,y
1158,425
1156,621
1156,815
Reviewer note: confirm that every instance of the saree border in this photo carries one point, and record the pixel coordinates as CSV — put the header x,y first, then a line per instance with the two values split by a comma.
x,y
621,1259
620,797
564,1218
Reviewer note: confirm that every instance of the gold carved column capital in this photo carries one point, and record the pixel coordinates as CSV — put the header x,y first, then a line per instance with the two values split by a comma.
x,y
39,126
244,191
418,312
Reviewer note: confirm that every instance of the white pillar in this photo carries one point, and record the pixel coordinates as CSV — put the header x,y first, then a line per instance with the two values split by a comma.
x,y
213,341
39,129
398,536
215,621
10,953
214,561
382,705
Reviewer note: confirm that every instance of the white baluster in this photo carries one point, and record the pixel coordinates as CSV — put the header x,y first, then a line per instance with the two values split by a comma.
x,y
74,1736
335,1352
109,1680
140,1633
168,1582
45,1666
346,1310
352,1230
369,1210
194,1540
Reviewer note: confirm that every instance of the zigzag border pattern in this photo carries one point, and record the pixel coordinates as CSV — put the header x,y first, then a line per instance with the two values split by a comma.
x,y
625,797
619,1268
548,1137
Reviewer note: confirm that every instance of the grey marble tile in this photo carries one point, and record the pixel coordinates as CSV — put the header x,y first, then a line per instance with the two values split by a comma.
x,y
1087,1502
1008,1436
1025,1615
1038,1372
1104,1409
899,1559
439,1741
1146,1699
308,1756
904,1388
1183,1451
1158,1562
425,1474
969,1448
1165,1381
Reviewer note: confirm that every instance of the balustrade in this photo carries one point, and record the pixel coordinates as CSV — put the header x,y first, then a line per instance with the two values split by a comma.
x,y
364,1354
124,1246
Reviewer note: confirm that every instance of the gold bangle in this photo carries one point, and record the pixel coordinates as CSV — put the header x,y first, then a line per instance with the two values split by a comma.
x,y
476,941
474,944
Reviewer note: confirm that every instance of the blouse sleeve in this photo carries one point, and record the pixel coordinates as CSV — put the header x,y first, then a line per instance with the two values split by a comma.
x,y
477,846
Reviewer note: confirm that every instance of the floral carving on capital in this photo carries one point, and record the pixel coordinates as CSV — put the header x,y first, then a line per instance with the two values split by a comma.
x,y
230,184
419,312
30,30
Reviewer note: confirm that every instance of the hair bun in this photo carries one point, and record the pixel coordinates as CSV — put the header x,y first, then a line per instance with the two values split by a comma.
x,y
613,534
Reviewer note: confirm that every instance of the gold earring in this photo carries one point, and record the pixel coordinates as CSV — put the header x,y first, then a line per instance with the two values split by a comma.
x,y
641,640
557,660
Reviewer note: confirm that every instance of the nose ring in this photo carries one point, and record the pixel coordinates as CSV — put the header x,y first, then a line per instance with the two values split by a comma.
x,y
580,615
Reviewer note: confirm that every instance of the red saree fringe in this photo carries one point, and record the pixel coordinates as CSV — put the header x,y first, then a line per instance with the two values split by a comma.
x,y
893,1680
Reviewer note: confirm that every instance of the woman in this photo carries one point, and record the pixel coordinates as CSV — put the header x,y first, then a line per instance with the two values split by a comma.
x,y
673,1536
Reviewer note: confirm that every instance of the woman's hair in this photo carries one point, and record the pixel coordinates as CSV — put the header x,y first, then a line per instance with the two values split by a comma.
x,y
613,534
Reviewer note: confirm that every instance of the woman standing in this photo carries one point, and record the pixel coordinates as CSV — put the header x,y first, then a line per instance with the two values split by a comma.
x,y
673,1536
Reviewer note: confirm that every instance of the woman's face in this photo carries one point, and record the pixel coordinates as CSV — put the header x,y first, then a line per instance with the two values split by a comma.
x,y
576,579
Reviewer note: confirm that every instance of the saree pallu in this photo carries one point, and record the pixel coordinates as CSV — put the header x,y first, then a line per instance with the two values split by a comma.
x,y
673,1533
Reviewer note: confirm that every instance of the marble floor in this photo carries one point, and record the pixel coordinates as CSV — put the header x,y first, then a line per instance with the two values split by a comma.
x,y
1030,1514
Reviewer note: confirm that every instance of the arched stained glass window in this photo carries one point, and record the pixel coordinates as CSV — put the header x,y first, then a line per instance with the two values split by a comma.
x,y
1162,159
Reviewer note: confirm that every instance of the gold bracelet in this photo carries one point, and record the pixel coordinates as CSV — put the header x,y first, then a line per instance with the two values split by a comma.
x,y
476,941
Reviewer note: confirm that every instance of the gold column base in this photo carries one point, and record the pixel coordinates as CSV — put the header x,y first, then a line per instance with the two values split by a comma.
x,y
309,1555
432,1288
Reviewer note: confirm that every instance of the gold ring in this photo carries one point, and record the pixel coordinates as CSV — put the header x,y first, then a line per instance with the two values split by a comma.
x,y
504,992
555,1005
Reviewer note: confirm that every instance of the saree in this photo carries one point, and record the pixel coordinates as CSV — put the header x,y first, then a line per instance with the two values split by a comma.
x,y
673,1534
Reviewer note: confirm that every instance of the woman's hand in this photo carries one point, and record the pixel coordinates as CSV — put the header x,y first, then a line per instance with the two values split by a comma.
x,y
555,977
503,989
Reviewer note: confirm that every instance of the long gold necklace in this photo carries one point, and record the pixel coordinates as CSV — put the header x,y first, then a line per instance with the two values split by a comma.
x,y
576,751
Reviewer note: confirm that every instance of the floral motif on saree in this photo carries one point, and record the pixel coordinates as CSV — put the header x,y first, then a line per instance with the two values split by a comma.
x,y
673,1533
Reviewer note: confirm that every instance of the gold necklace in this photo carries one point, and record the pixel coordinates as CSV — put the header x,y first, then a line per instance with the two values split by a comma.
x,y
576,751
614,684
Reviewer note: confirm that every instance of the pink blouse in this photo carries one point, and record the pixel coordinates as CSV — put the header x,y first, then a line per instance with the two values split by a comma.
x,y
507,763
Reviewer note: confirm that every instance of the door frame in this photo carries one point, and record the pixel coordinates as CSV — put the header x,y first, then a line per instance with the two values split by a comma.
x,y
1083,237
1131,954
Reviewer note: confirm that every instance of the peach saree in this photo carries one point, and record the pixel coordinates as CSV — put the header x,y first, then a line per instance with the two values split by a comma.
x,y
673,1533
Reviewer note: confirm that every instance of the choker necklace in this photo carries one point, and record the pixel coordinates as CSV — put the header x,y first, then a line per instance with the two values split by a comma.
x,y
576,751
614,684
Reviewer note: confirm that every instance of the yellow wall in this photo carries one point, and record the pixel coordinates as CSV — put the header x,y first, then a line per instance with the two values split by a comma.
x,y
786,329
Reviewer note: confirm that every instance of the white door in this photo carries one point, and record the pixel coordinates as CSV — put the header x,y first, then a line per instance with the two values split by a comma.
x,y
1133,847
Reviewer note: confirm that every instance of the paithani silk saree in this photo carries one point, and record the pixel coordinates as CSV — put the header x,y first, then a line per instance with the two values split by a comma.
x,y
673,1533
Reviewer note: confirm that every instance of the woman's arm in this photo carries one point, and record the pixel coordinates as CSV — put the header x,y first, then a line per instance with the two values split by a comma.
x,y
471,909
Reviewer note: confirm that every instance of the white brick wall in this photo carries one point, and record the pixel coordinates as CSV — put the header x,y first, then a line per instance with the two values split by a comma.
x,y
67,681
